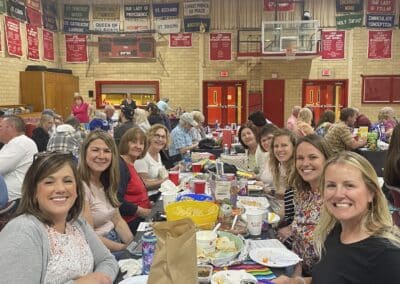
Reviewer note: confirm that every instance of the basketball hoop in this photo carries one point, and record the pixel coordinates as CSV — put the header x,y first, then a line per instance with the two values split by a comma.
x,y
290,53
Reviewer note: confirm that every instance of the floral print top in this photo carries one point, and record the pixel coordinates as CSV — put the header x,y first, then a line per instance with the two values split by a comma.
x,y
307,205
70,255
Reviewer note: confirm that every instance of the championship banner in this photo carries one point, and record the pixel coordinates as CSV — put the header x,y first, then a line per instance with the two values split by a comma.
x,y
13,36
76,27
346,6
168,26
349,21
196,24
381,6
379,44
196,8
16,9
49,14
378,21
34,4
333,43
48,45
106,12
136,11
34,17
76,12
220,46
183,40
270,6
166,10
76,48
32,38
139,25
106,26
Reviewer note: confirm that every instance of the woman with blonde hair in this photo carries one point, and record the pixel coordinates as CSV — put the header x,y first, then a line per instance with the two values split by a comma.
x,y
304,121
99,170
355,238
140,119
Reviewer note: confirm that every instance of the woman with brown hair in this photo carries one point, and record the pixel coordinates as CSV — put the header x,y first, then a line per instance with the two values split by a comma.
x,y
48,242
99,170
132,192
80,109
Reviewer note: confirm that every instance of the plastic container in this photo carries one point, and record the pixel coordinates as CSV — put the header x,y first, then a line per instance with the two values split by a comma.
x,y
203,213
196,197
204,273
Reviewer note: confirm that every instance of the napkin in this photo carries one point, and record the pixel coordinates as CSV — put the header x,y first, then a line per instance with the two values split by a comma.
x,y
168,186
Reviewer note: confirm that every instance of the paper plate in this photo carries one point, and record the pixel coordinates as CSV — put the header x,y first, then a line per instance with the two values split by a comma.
x,y
140,279
274,257
231,277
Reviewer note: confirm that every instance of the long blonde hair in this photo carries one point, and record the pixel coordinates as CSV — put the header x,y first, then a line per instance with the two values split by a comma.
x,y
377,222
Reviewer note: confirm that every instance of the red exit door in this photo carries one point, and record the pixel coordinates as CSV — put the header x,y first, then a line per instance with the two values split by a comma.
x,y
274,100
224,101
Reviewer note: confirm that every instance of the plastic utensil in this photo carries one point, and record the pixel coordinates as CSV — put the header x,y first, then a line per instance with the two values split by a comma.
x,y
234,222
216,228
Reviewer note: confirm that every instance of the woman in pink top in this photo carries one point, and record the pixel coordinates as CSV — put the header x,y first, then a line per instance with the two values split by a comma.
x,y
80,109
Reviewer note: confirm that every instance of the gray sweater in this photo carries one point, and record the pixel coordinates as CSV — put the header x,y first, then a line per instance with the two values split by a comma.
x,y
24,251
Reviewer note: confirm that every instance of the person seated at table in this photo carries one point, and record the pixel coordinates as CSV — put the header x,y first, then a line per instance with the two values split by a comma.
x,y
198,133
132,192
361,120
303,124
156,116
181,141
355,237
325,121
282,167
263,153
41,134
126,122
48,241
150,167
387,118
340,137
140,119
99,170
248,138
310,153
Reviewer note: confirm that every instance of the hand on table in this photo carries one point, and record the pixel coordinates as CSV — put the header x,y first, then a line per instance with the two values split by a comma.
x,y
143,212
95,277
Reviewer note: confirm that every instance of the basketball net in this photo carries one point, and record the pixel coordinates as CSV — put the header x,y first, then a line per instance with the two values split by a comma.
x,y
290,53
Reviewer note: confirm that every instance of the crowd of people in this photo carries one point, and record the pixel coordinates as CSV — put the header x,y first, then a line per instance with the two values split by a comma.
x,y
78,190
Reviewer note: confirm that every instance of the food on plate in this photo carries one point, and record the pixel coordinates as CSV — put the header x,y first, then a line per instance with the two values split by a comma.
x,y
271,217
252,203
225,244
265,259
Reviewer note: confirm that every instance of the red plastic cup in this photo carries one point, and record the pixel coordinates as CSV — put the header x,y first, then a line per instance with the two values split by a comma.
x,y
212,157
196,167
174,177
199,186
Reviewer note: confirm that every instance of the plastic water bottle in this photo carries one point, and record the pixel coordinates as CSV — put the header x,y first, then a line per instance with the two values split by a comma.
x,y
226,149
382,133
187,161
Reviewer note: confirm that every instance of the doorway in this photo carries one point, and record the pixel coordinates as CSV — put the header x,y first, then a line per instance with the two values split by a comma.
x,y
224,102
321,95
274,101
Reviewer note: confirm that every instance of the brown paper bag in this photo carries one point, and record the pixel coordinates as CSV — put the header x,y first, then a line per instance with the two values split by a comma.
x,y
175,258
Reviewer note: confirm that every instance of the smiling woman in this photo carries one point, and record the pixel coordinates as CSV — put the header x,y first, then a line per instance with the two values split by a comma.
x,y
48,236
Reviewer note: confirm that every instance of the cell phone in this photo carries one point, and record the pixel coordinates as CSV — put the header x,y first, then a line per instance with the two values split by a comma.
x,y
135,248
131,247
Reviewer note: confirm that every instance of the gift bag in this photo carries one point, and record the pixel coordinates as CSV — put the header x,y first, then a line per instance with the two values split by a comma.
x,y
175,258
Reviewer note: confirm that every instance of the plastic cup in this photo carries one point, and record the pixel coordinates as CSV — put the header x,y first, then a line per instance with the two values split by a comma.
x,y
168,198
199,186
254,221
174,177
196,167
206,241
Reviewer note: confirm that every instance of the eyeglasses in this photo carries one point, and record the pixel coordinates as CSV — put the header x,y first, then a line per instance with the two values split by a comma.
x,y
45,154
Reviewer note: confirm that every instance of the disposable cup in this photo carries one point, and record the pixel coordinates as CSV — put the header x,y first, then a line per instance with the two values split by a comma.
x,y
168,198
206,241
199,186
174,177
196,167
254,221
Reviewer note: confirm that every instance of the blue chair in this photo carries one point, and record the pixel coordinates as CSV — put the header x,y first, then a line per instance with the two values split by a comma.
x,y
3,193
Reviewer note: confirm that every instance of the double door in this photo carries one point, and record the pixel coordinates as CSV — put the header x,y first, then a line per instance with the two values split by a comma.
x,y
224,102
321,95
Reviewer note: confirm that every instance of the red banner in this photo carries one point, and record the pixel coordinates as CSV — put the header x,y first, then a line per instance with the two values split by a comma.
x,y
220,46
333,43
35,4
379,44
34,17
76,48
180,40
13,36
381,6
48,45
269,6
32,39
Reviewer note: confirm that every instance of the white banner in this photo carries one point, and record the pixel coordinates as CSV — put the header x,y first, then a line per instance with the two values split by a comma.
x,y
196,8
138,25
106,26
170,26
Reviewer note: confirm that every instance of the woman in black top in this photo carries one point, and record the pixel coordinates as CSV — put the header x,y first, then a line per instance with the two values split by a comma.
x,y
128,102
41,134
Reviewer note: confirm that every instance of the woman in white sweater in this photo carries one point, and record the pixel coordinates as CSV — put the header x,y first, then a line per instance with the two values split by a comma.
x,y
48,242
